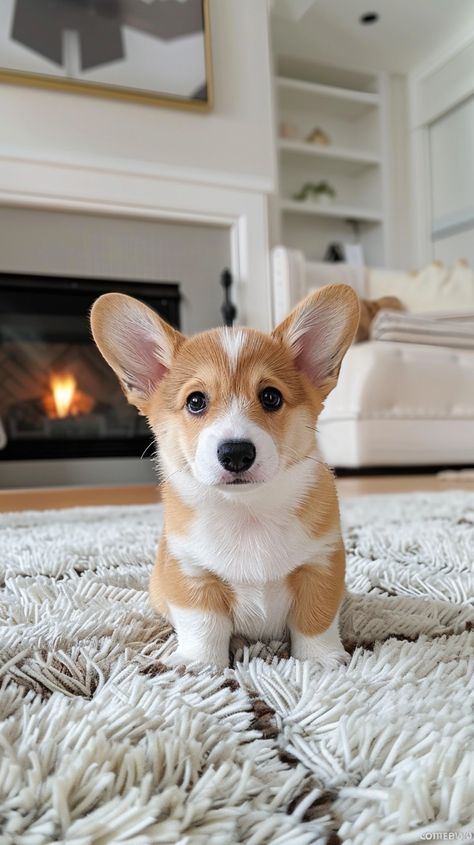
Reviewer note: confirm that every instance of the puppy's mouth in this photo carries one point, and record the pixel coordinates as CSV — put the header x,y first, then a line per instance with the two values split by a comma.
x,y
243,480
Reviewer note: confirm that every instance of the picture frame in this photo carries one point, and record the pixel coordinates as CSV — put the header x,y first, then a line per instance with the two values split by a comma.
x,y
145,51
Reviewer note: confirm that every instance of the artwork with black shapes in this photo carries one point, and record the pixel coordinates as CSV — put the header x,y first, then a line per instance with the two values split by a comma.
x,y
84,37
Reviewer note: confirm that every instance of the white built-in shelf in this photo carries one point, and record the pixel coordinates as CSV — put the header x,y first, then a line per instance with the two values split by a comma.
x,y
366,97
345,212
350,108
342,100
351,160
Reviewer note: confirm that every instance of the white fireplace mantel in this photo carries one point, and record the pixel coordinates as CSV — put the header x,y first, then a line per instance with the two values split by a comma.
x,y
135,191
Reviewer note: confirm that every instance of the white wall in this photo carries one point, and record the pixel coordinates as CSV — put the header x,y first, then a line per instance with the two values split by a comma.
x,y
400,253
442,127
452,183
452,162
231,145
459,245
78,153
81,154
93,246
447,79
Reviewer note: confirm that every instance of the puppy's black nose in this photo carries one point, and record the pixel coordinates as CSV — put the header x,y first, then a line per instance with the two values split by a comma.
x,y
236,455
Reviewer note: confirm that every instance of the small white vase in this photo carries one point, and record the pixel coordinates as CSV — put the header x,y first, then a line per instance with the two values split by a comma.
x,y
322,199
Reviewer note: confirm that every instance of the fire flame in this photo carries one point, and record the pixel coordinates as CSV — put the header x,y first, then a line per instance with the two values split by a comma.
x,y
65,398
63,389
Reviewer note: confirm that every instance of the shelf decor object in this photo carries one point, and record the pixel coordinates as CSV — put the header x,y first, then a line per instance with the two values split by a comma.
x,y
318,192
288,130
152,52
318,136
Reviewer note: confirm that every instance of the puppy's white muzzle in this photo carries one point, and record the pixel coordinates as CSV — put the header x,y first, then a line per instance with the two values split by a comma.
x,y
210,467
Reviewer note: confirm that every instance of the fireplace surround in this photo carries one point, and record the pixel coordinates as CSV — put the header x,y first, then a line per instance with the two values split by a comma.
x,y
58,397
97,182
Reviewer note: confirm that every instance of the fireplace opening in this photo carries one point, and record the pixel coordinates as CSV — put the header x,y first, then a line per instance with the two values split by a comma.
x,y
58,397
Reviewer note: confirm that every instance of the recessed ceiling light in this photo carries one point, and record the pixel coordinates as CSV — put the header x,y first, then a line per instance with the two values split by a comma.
x,y
368,18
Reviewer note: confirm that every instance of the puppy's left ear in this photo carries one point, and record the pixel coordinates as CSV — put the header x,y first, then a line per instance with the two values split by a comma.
x,y
319,331
136,342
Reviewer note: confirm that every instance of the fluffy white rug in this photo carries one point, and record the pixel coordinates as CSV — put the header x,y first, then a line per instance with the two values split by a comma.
x,y
100,743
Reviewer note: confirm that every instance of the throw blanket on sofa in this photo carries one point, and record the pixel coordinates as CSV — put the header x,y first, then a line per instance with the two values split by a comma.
x,y
449,329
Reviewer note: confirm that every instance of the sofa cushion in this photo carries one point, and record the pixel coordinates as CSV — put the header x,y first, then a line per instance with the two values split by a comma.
x,y
400,404
437,330
435,288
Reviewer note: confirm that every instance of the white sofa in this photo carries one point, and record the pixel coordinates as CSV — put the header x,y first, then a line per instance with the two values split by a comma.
x,y
396,404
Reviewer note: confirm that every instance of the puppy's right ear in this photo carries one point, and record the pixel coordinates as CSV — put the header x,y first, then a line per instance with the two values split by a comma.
x,y
136,342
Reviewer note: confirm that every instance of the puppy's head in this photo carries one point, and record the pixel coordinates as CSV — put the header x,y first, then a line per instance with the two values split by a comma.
x,y
229,406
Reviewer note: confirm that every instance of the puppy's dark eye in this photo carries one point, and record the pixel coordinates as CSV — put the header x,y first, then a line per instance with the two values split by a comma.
x,y
196,402
271,399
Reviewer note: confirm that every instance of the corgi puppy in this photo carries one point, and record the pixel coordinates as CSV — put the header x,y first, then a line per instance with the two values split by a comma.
x,y
252,541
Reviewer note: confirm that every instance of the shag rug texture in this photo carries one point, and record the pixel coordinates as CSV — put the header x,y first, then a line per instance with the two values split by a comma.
x,y
101,743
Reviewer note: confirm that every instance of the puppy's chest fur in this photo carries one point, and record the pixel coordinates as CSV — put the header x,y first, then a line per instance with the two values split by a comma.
x,y
253,547
253,556
247,545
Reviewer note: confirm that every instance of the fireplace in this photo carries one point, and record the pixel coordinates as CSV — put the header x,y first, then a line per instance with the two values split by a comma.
x,y
58,397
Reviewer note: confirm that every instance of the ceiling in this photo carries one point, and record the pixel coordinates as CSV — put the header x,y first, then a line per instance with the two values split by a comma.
x,y
407,34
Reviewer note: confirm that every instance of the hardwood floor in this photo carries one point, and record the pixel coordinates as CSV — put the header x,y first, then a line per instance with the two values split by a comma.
x,y
73,497
372,484
142,494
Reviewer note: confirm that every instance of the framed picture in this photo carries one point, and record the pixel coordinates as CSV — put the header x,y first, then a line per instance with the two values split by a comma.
x,y
151,51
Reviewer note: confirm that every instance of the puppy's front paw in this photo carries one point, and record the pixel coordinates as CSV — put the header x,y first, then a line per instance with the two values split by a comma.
x,y
331,659
323,657
202,638
176,660
324,649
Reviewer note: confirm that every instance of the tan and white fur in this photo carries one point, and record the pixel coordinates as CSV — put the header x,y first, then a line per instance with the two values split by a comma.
x,y
252,541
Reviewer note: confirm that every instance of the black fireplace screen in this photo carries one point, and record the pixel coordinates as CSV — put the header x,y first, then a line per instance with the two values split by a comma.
x,y
58,397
